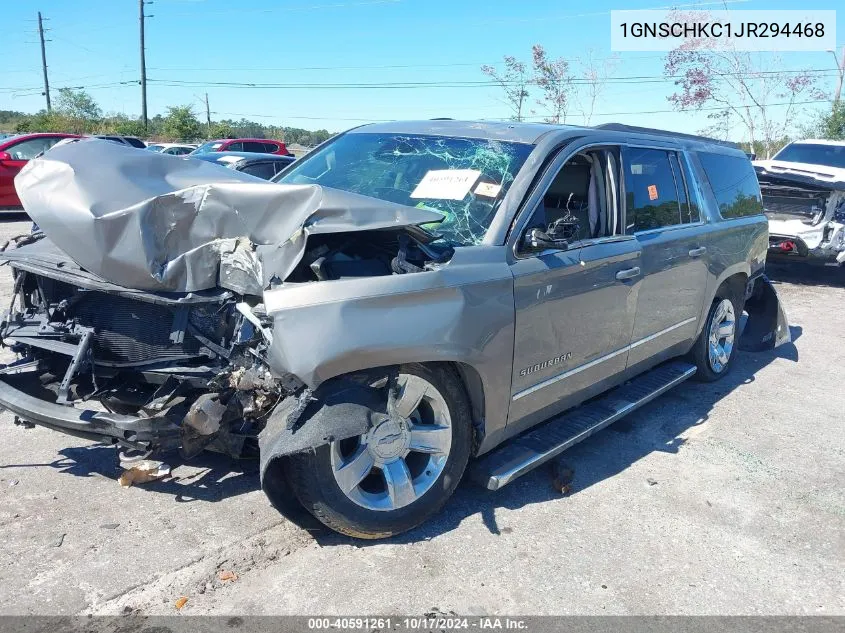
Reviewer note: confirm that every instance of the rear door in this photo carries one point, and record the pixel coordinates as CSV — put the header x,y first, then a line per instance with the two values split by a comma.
x,y
254,146
666,222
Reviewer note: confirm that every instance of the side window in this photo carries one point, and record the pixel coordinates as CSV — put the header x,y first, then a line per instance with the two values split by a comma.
x,y
651,194
235,147
253,146
262,170
270,148
583,200
27,150
734,184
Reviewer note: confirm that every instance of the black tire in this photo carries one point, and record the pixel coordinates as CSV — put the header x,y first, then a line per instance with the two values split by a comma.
x,y
313,483
700,350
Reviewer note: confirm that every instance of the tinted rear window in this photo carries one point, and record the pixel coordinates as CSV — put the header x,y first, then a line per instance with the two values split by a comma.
x,y
813,153
734,184
262,170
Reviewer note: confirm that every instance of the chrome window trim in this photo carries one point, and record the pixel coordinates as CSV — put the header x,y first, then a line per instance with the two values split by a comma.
x,y
571,372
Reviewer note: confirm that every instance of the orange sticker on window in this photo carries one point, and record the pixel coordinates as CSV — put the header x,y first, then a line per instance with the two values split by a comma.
x,y
652,192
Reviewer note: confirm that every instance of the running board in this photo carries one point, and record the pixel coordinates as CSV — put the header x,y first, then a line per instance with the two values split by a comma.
x,y
550,439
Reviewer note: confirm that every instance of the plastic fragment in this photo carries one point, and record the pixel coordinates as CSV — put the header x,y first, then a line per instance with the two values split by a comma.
x,y
181,602
143,472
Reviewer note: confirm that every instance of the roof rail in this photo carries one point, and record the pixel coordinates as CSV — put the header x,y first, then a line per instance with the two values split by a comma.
x,y
621,127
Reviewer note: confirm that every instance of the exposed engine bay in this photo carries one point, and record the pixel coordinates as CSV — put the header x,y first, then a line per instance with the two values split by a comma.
x,y
806,213
193,364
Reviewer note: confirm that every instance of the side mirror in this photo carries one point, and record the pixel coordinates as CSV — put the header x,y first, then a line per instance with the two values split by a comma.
x,y
4,156
539,240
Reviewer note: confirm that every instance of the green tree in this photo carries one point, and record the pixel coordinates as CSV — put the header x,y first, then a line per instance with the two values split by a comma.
x,y
220,129
181,124
79,110
124,126
831,125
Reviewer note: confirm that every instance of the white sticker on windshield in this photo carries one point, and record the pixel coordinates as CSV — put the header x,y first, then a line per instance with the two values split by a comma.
x,y
446,184
488,189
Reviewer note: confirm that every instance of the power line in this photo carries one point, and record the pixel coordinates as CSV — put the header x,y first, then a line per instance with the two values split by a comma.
x,y
633,79
821,72
532,119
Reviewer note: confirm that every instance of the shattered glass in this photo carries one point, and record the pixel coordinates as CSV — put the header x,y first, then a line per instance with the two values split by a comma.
x,y
393,166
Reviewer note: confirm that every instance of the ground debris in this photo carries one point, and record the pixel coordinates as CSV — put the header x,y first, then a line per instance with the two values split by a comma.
x,y
142,472
59,540
180,602
226,576
562,476
651,482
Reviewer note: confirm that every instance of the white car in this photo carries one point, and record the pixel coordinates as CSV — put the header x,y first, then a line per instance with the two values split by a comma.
x,y
803,189
177,149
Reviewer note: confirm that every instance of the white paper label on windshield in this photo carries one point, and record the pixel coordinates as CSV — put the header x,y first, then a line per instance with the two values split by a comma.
x,y
488,189
446,184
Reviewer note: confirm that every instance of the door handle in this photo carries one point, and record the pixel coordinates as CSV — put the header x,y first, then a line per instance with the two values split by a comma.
x,y
698,252
628,273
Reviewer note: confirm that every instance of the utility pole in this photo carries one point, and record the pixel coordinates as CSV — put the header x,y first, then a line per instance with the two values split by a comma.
x,y
207,115
143,66
840,66
44,62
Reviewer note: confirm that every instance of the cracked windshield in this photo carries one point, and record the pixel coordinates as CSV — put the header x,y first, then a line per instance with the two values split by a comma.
x,y
464,179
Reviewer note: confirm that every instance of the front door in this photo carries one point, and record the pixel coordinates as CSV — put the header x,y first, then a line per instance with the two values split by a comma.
x,y
575,308
665,219
19,154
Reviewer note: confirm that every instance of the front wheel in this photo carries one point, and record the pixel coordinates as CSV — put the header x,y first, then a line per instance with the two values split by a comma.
x,y
402,470
714,349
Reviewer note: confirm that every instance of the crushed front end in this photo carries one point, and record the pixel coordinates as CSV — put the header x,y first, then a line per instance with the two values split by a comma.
x,y
138,369
806,212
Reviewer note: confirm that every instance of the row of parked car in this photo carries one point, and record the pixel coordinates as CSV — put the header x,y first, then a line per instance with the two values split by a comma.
x,y
263,158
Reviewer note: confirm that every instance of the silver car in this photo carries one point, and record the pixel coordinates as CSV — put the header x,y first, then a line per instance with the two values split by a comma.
x,y
409,301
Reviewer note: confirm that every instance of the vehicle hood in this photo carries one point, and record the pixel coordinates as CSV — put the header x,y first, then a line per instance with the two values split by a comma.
x,y
149,221
803,173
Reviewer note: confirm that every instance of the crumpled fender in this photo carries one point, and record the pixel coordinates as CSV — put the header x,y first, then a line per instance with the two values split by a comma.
x,y
343,407
767,326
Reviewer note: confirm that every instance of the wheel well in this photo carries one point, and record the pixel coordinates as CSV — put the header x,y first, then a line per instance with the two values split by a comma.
x,y
474,388
733,288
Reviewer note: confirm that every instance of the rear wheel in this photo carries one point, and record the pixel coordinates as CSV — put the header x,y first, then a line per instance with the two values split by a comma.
x,y
714,349
402,470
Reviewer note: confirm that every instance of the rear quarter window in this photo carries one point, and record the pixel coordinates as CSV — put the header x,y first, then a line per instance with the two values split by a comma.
x,y
734,184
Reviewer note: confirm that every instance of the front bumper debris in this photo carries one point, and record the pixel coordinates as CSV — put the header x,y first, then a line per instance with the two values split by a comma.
x,y
101,426
767,326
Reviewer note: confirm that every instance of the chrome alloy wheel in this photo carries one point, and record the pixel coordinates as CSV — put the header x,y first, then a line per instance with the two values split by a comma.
x,y
720,343
402,455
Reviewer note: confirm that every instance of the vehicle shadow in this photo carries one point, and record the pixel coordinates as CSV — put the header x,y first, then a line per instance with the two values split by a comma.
x,y
655,427
208,477
806,274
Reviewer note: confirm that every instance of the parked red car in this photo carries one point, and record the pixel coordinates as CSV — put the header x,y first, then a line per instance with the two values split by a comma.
x,y
14,154
261,145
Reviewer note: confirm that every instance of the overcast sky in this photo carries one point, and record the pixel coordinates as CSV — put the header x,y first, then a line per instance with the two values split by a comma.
x,y
94,44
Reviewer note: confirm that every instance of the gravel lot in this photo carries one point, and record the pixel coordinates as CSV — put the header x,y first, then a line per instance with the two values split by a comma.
x,y
726,498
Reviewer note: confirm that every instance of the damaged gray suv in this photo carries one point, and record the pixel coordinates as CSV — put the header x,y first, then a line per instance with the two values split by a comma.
x,y
408,302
